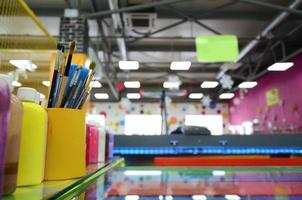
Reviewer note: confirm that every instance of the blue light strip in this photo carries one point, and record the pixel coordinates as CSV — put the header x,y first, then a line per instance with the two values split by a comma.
x,y
205,150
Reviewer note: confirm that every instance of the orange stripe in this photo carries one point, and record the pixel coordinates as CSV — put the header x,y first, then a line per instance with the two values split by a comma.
x,y
228,161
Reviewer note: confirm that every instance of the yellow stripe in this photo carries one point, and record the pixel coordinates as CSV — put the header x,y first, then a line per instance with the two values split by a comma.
x,y
36,51
37,21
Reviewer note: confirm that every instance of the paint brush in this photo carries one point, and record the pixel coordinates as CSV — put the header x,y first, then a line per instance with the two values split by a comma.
x,y
60,52
91,74
87,85
82,102
68,63
60,78
66,73
79,87
73,81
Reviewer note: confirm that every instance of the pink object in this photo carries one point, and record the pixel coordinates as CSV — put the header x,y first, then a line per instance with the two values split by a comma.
x,y
120,86
289,84
4,109
12,149
92,144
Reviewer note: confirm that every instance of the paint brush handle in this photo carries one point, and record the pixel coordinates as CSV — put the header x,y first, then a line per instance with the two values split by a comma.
x,y
82,102
67,67
61,93
75,94
52,89
68,63
59,59
57,90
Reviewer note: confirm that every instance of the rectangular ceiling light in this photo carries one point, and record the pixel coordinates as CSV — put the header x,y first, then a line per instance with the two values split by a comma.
x,y
128,65
101,96
247,84
226,95
199,197
180,65
132,197
133,96
218,173
280,66
142,172
232,197
209,84
171,84
95,84
132,84
195,95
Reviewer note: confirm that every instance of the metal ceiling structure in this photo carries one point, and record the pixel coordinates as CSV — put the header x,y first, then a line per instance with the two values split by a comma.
x,y
268,31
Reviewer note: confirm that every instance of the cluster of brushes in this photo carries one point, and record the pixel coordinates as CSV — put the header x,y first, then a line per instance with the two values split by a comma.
x,y
70,84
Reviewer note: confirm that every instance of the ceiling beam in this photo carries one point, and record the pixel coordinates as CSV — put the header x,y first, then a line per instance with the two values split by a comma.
x,y
132,8
158,31
118,29
281,17
216,9
192,18
262,73
274,6
162,75
107,55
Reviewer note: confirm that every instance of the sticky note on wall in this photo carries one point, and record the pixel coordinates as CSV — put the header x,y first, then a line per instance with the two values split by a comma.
x,y
217,48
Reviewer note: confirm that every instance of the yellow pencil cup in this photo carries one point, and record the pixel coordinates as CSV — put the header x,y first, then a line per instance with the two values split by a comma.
x,y
65,150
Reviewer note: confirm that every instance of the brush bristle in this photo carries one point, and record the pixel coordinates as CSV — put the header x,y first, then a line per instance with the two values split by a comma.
x,y
72,46
92,65
60,46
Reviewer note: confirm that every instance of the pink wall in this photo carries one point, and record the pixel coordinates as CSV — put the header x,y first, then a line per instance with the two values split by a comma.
x,y
289,84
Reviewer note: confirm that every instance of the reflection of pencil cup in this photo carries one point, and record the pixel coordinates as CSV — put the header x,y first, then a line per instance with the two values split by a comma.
x,y
65,152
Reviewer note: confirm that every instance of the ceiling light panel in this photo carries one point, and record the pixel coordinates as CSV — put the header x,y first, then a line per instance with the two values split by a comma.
x,y
280,66
180,65
209,84
195,95
132,84
226,95
247,84
128,65
171,84
133,96
95,84
101,96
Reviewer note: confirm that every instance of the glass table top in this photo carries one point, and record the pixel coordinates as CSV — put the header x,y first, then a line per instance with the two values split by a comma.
x,y
139,183
50,189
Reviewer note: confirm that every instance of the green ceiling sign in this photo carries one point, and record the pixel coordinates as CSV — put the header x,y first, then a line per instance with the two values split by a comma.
x,y
217,48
